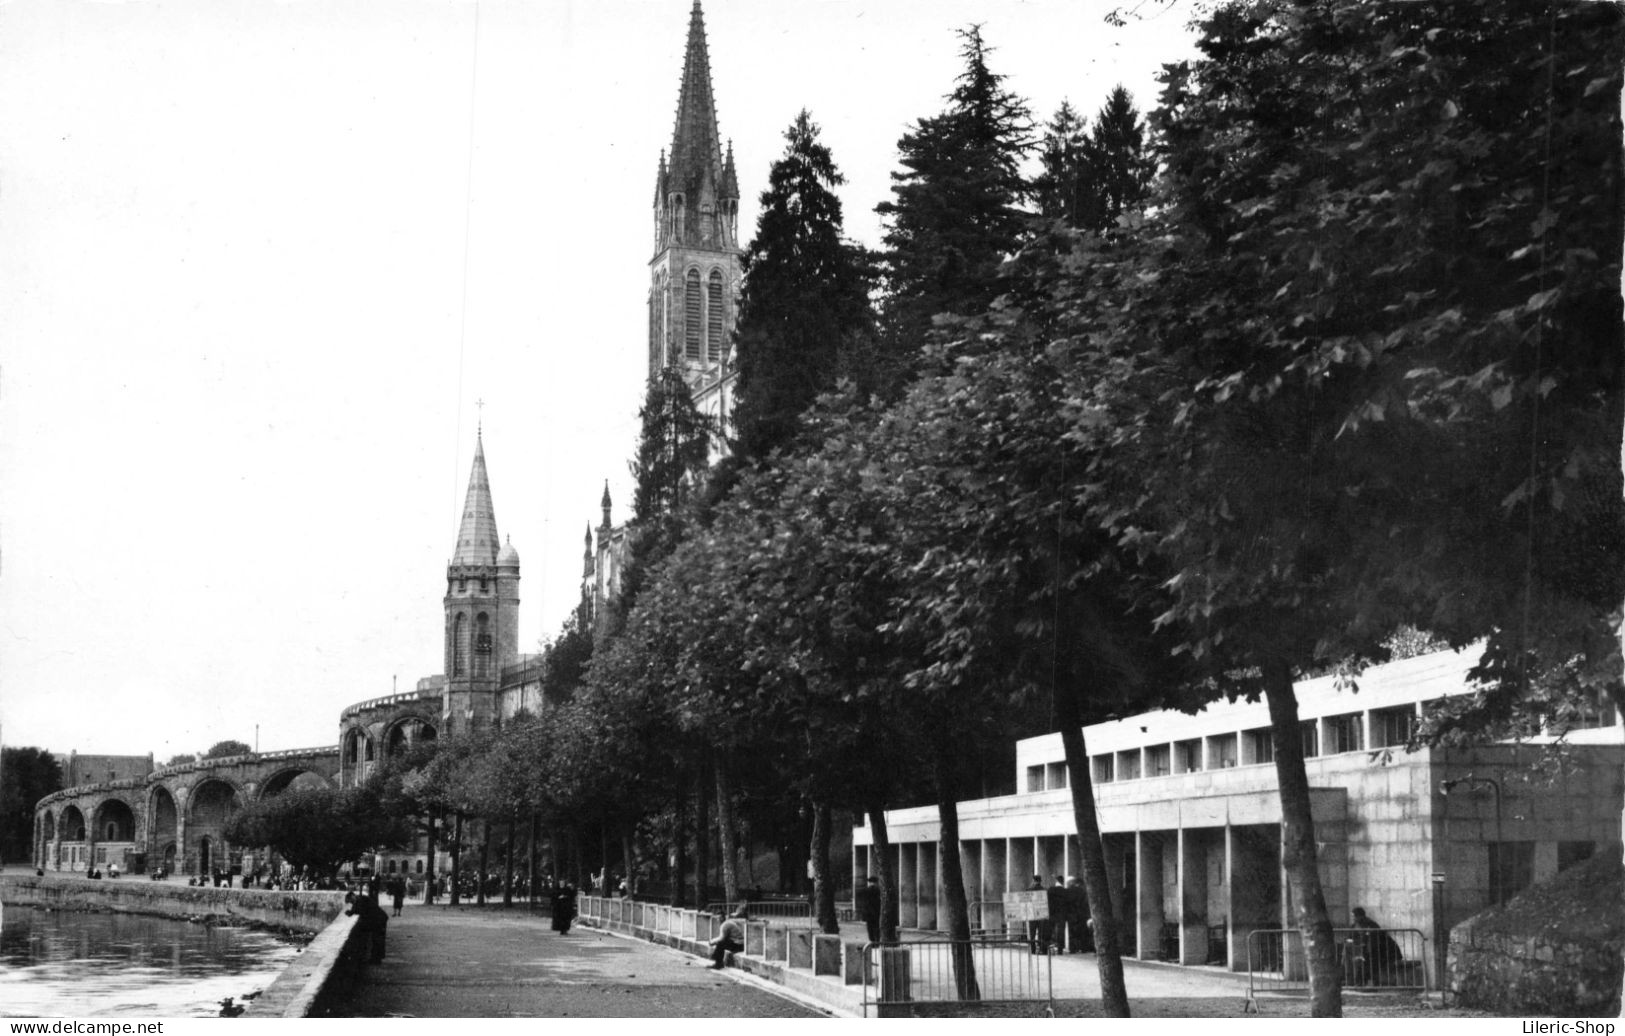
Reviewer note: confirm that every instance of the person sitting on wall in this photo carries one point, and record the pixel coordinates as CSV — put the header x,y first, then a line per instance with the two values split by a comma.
x,y
730,940
1380,955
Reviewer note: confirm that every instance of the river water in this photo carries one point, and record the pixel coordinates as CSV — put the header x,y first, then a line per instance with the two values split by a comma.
x,y
62,964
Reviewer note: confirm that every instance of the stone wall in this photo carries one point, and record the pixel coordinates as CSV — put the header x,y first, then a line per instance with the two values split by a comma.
x,y
307,912
1554,950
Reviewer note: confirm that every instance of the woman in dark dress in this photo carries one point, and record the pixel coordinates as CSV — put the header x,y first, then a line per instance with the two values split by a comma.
x,y
564,908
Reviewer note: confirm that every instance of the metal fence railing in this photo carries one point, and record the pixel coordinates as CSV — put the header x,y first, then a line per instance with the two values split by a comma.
x,y
764,908
901,978
1371,958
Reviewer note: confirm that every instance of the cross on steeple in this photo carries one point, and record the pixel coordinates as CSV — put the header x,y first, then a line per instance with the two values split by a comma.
x,y
479,421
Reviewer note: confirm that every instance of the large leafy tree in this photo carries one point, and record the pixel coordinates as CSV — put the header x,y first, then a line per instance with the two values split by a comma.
x,y
26,776
222,749
1384,262
319,828
804,314
955,215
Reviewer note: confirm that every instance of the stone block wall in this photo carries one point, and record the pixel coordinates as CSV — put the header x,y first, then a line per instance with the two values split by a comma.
x,y
1554,950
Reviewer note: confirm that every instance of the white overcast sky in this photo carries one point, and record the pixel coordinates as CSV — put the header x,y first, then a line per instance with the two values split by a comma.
x,y
258,260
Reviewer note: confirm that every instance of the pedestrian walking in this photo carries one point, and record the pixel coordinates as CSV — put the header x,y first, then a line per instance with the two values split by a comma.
x,y
564,908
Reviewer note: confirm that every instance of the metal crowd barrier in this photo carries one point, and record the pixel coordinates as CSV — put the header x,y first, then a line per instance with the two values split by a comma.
x,y
898,977
1371,958
757,909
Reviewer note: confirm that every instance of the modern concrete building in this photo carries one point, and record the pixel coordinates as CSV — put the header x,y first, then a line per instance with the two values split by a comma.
x,y
1190,816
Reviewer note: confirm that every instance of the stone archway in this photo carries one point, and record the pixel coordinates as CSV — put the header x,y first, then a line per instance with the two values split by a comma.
x,y
164,833
209,806
115,822
405,733
70,839
113,833
292,779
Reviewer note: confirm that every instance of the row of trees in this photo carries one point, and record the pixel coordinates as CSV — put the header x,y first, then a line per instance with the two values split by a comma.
x,y
1347,363
1327,346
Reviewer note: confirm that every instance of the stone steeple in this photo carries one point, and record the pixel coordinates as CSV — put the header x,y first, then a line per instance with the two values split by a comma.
x,y
477,540
695,272
696,148
482,609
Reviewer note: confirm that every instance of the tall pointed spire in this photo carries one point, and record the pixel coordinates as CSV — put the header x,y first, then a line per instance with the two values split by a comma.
x,y
696,148
477,540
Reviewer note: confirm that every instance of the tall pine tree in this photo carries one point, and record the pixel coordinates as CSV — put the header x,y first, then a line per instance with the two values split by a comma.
x,y
956,212
1063,155
1120,170
674,450
1092,178
804,314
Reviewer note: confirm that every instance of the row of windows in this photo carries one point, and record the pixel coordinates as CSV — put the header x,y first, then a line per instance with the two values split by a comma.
x,y
1332,735
704,319
481,645
392,866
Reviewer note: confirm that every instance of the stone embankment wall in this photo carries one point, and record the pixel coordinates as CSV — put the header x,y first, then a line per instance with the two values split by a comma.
x,y
322,970
1553,950
304,912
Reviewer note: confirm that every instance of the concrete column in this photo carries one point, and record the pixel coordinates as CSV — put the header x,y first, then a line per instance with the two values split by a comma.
x,y
1192,897
909,886
1148,894
931,906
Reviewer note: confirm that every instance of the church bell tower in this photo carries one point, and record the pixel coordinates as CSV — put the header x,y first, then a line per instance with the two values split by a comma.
x,y
695,271
482,610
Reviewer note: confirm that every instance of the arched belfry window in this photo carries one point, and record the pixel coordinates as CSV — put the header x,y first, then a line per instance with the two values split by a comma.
x,y
714,318
482,645
691,316
459,642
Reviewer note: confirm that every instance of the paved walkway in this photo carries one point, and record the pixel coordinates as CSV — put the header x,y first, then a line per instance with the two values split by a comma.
x,y
490,962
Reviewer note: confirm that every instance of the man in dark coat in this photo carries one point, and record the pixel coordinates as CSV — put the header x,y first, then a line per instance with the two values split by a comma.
x,y
371,922
866,904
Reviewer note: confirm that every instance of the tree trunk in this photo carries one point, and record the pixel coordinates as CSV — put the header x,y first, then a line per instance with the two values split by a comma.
x,y
1298,853
679,888
627,861
702,841
485,862
428,886
603,858
1096,886
887,875
725,828
456,858
953,884
530,881
823,886
507,866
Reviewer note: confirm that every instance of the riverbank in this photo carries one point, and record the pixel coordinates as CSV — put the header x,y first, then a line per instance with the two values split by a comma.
x,y
297,913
